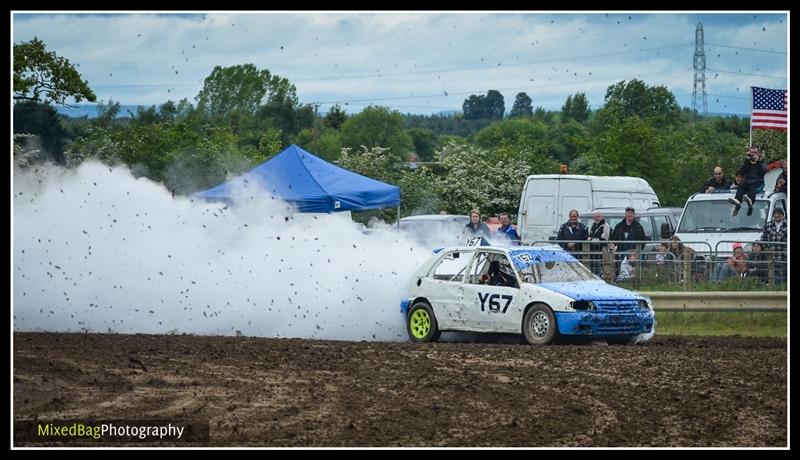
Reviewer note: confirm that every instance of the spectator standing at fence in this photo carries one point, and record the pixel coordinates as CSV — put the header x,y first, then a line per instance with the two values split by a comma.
x,y
753,170
717,182
600,231
507,230
629,229
572,231
682,253
758,263
775,231
662,266
475,227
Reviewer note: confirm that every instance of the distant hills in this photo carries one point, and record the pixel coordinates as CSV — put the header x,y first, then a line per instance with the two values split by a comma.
x,y
90,110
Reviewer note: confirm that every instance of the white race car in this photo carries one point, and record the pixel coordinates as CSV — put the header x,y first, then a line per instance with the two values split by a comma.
x,y
542,293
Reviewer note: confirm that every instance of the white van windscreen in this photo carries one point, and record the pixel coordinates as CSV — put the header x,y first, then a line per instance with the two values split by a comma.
x,y
715,216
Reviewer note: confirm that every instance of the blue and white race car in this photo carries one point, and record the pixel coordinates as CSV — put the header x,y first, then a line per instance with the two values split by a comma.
x,y
542,293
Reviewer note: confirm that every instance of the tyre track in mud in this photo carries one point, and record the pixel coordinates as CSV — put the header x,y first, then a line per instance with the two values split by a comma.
x,y
672,391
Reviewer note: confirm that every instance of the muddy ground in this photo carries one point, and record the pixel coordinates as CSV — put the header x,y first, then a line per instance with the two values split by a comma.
x,y
673,391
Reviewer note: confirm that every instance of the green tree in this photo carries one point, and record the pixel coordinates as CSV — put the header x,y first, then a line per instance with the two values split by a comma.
x,y
377,126
335,117
474,107
774,144
491,106
424,143
43,76
635,98
241,89
43,122
522,106
495,105
489,179
576,108
636,148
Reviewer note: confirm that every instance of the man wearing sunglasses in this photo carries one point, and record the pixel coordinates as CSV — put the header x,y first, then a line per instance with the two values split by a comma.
x,y
717,182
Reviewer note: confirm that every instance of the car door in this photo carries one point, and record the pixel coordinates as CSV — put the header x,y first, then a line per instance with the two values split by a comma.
x,y
487,306
444,288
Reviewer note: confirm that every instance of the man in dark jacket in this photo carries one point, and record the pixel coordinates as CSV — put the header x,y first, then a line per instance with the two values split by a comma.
x,y
629,229
753,170
572,230
717,182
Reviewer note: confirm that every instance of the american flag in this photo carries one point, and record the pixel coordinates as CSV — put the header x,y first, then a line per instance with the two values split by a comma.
x,y
770,109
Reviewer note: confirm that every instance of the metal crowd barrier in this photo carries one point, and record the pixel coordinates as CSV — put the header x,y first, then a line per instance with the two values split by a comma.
x,y
684,267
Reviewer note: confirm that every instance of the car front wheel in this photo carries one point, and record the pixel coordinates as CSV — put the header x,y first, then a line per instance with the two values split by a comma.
x,y
421,323
539,325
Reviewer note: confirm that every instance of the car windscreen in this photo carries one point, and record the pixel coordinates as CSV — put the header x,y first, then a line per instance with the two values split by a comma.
x,y
556,272
549,267
715,216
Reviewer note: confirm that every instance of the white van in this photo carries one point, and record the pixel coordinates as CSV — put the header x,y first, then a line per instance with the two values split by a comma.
x,y
706,224
547,199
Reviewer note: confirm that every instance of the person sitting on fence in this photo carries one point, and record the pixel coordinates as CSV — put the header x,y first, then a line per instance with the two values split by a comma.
x,y
753,170
735,266
629,269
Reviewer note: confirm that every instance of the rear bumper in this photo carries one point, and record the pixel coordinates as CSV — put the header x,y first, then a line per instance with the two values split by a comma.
x,y
604,324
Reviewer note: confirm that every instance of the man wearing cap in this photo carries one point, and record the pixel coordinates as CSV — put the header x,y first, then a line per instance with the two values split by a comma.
x,y
775,231
629,229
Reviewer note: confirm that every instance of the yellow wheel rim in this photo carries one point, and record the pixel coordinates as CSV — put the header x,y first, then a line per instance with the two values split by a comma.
x,y
420,323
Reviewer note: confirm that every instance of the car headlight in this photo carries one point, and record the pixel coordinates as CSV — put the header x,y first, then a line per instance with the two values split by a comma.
x,y
644,305
584,305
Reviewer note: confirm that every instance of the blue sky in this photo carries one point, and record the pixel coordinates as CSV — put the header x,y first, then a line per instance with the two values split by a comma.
x,y
420,62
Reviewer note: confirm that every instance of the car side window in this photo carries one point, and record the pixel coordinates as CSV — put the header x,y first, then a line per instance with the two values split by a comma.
x,y
479,267
647,225
452,266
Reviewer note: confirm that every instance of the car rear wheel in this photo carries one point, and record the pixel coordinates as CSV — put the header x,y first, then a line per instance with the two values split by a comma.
x,y
539,325
421,323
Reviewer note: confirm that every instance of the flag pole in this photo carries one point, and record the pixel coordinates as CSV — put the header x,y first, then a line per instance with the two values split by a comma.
x,y
751,118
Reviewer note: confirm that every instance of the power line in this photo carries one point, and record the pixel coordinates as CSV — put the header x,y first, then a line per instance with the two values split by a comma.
x,y
784,77
748,49
489,66
424,71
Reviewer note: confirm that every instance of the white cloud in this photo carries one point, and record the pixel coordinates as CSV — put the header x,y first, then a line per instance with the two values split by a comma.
x,y
374,56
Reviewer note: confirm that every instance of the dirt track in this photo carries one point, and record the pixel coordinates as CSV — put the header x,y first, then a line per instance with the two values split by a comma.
x,y
674,391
